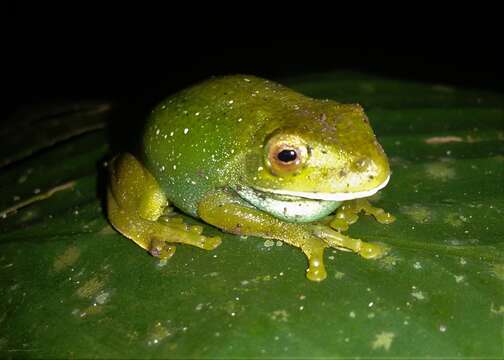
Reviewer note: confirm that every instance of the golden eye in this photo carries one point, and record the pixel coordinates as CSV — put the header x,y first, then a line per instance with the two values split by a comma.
x,y
285,154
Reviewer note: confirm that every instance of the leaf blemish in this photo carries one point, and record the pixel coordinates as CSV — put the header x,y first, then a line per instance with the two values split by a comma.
x,y
90,288
280,315
455,220
498,271
383,340
68,258
443,139
440,171
419,295
418,213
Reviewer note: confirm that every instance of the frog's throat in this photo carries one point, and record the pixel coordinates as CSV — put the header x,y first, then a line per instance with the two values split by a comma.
x,y
288,208
343,196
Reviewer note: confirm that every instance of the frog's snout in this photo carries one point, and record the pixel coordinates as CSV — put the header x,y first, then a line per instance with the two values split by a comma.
x,y
368,172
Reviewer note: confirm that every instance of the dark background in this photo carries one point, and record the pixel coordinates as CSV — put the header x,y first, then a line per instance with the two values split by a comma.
x,y
83,52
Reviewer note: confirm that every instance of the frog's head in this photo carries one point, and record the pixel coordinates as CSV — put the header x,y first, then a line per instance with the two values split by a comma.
x,y
324,151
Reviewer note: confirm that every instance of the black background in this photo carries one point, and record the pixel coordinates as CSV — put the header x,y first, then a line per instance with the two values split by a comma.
x,y
137,58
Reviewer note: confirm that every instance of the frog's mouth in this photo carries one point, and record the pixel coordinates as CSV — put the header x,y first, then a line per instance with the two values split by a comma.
x,y
342,196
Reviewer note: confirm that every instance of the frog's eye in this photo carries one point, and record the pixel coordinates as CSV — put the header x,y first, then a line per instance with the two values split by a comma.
x,y
285,154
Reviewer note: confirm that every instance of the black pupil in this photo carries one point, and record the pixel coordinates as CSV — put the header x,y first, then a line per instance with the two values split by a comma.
x,y
287,155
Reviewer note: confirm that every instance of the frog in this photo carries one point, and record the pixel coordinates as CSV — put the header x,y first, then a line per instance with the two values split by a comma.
x,y
250,157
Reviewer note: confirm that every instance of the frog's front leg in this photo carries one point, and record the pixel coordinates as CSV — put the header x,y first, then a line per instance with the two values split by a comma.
x,y
348,213
135,205
228,212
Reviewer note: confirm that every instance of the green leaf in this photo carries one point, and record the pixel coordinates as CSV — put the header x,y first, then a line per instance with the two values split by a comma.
x,y
73,287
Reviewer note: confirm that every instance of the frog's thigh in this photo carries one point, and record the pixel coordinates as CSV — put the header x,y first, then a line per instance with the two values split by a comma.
x,y
134,204
226,212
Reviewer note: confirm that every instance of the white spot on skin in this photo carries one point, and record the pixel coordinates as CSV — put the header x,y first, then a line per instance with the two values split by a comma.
x,y
186,130
352,314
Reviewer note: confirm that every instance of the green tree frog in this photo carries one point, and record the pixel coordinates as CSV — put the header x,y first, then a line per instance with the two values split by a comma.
x,y
250,157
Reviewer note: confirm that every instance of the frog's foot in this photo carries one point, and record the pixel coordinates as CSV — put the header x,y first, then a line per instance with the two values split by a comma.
x,y
161,249
348,213
176,231
339,241
158,236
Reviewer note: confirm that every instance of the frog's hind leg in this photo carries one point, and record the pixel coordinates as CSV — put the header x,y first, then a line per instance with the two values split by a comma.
x,y
348,213
135,205
230,214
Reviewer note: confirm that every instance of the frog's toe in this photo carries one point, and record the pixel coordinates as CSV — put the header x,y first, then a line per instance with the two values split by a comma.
x,y
384,217
372,250
196,229
161,249
339,224
210,242
379,214
316,272
314,251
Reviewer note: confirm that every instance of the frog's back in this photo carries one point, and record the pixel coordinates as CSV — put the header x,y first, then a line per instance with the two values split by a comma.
x,y
193,138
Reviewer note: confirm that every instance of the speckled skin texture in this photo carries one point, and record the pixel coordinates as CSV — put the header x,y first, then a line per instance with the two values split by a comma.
x,y
213,135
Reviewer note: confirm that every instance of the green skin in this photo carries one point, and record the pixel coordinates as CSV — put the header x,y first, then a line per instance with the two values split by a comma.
x,y
211,151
